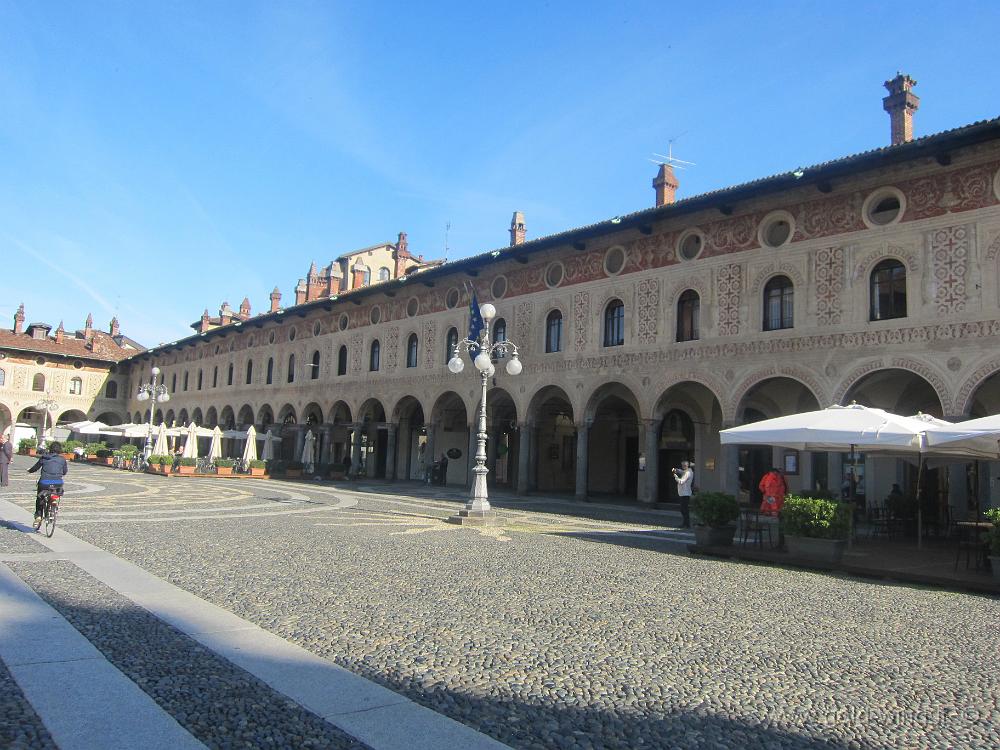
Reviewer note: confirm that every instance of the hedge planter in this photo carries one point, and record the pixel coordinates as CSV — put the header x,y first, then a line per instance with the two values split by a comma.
x,y
224,471
714,536
820,550
186,469
255,472
155,469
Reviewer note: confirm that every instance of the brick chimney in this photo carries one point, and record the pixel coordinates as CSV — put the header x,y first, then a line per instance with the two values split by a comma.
x,y
114,328
206,322
88,328
225,314
300,292
517,229
245,309
358,275
19,319
275,300
665,185
60,333
901,104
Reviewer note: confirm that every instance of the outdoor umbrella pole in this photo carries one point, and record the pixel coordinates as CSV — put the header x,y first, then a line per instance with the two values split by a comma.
x,y
853,483
920,503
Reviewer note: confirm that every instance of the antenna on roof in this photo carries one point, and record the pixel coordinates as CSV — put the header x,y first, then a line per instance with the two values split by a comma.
x,y
670,159
447,229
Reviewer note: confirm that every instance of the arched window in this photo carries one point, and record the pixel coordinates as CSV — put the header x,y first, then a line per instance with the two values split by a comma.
x,y
411,350
614,323
173,382
888,290
383,274
374,356
500,333
451,341
291,368
38,382
199,380
75,386
229,375
779,296
553,332
215,376
111,389
249,371
3,376
186,377
342,361
269,374
688,308
314,366
367,278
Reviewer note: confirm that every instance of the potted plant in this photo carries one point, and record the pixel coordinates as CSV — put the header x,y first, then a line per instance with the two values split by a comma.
x,y
69,449
27,446
815,529
224,466
257,468
187,465
92,449
294,469
105,456
993,514
715,518
157,464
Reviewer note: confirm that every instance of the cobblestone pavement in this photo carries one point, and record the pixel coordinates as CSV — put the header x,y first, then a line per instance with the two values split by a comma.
x,y
562,632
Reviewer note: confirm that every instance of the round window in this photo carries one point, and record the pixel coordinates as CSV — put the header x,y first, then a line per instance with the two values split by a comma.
x,y
375,315
554,275
776,229
690,245
344,322
883,207
292,333
452,299
317,328
39,360
412,307
499,287
614,261
78,365
885,210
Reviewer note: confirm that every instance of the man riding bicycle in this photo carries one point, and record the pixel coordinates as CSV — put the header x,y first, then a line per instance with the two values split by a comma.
x,y
54,468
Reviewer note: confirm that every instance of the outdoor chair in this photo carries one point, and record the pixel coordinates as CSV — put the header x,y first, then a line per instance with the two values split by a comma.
x,y
753,528
971,542
879,521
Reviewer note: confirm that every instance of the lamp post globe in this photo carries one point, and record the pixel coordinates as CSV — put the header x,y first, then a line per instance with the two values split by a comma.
x,y
488,311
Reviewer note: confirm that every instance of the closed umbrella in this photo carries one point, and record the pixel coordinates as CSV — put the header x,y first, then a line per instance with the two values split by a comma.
x,y
308,449
160,447
191,444
215,449
268,453
250,449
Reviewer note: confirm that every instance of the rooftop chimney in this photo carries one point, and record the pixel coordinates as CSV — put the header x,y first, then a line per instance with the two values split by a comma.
x,y
517,229
19,319
225,314
300,292
60,332
275,300
206,322
115,328
245,309
901,104
88,327
665,185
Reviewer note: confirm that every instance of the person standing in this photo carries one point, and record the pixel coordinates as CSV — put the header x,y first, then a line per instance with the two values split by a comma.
x,y
685,482
6,456
774,489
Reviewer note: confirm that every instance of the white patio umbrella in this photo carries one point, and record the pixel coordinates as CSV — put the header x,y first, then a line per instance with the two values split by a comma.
x,y
308,451
250,449
215,449
160,447
268,453
191,443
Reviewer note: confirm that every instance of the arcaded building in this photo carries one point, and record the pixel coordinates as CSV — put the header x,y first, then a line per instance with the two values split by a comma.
x,y
872,278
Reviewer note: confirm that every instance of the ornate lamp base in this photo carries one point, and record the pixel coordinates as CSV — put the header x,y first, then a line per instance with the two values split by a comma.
x,y
468,517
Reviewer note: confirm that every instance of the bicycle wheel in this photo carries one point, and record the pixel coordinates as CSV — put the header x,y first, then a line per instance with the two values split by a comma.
x,y
50,520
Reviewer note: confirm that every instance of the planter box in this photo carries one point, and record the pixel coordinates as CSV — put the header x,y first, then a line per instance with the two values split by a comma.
x,y
290,473
821,550
156,469
224,471
186,469
32,452
715,536
995,565
68,456
255,472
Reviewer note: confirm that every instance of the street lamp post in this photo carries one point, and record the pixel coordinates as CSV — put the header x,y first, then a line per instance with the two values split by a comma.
x,y
478,510
154,393
47,404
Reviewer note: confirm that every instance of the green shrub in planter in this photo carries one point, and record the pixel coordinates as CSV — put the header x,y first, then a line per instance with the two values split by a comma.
x,y
26,444
105,453
258,464
159,460
993,514
815,518
189,462
70,445
225,463
128,450
93,449
715,508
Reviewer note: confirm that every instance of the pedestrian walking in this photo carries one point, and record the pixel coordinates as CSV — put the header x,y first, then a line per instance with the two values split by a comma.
x,y
684,477
6,456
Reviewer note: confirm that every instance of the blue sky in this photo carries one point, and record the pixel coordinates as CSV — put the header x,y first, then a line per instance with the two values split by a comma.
x,y
158,158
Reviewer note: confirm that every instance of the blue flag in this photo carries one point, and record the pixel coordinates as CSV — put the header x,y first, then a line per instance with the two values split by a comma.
x,y
475,324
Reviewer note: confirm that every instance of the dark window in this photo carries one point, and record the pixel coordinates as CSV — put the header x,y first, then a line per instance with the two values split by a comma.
x,y
779,296
111,390
499,333
688,307
614,323
229,376
553,332
269,374
249,371
291,368
342,361
367,279
888,290
314,375
199,380
76,386
215,376
411,350
3,378
451,341
173,382
374,356
185,381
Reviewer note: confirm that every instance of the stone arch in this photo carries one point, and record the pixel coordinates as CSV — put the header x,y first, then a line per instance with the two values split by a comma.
x,y
265,417
244,417
71,415
411,438
805,377
171,417
182,417
197,417
768,272
211,417
340,413
312,414
621,388
227,418
613,430
966,392
935,379
908,257
287,415
449,433
6,420
109,418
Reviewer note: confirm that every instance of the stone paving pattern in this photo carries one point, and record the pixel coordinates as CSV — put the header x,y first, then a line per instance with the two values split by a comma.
x,y
20,727
545,640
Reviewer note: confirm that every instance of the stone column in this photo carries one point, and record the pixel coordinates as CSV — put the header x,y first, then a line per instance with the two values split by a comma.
x,y
326,444
429,456
731,465
806,471
834,471
390,453
524,450
300,441
649,480
536,446
582,453
356,449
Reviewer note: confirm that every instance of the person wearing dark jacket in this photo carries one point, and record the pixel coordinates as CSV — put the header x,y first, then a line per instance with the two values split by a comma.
x,y
54,468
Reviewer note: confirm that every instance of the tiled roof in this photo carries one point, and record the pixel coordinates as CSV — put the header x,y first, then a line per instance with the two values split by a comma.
x,y
103,348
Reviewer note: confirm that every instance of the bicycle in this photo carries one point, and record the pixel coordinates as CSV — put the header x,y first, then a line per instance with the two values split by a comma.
x,y
50,496
119,462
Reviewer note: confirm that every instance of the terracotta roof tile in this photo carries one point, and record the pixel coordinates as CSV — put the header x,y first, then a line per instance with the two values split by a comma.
x,y
103,348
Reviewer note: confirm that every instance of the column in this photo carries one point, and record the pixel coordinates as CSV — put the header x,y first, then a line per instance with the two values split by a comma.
x,y
429,455
835,472
300,441
326,444
649,480
390,453
523,457
535,447
356,449
731,465
582,446
806,472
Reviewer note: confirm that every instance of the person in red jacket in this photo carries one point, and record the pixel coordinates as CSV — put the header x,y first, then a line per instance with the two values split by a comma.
x,y
774,489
